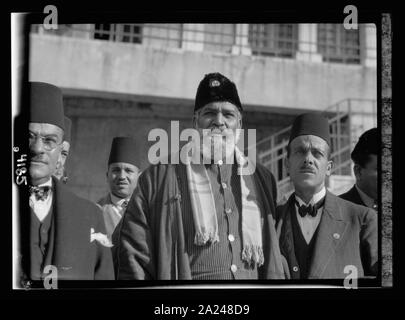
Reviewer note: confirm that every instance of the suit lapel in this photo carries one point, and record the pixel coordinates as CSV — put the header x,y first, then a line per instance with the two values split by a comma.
x,y
70,235
111,218
331,231
286,235
105,200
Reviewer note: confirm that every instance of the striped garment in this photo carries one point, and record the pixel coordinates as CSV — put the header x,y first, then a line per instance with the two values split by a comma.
x,y
205,213
214,261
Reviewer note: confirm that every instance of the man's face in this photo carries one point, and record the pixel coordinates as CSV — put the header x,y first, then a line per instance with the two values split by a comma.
x,y
65,151
222,119
367,177
42,161
60,166
122,178
218,115
308,163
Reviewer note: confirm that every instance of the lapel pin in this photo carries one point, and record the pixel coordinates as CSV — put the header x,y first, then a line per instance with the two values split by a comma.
x,y
336,236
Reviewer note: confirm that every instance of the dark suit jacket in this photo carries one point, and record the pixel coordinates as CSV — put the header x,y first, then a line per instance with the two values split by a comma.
x,y
353,196
151,236
347,235
71,251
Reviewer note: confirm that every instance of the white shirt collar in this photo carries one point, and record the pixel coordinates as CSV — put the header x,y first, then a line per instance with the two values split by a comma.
x,y
316,197
117,201
368,201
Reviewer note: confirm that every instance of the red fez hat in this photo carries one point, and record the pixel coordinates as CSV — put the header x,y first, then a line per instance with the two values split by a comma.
x,y
68,127
369,143
216,87
123,149
46,104
310,124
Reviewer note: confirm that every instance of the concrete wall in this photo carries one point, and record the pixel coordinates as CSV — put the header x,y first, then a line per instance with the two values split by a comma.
x,y
125,68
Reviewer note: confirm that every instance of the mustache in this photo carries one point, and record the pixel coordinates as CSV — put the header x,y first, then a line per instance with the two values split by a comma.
x,y
307,168
121,181
38,159
217,131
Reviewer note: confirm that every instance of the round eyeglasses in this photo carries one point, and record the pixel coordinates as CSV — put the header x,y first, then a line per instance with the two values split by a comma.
x,y
49,142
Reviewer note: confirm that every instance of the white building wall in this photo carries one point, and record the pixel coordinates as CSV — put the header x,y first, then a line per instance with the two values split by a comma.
x,y
124,68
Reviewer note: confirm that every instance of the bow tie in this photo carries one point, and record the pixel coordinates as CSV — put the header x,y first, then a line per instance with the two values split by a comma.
x,y
41,193
312,210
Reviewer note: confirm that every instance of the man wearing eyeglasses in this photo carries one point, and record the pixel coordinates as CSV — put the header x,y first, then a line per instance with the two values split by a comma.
x,y
61,229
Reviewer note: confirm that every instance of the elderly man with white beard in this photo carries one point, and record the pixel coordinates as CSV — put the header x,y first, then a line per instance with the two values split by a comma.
x,y
205,218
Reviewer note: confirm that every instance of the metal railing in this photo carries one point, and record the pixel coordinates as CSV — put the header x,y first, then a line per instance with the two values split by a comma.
x,y
226,38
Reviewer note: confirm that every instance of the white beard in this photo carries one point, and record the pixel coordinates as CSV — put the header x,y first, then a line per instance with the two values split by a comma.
x,y
218,145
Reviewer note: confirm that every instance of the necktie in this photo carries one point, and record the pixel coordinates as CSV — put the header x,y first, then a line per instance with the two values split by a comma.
x,y
41,193
312,210
124,204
